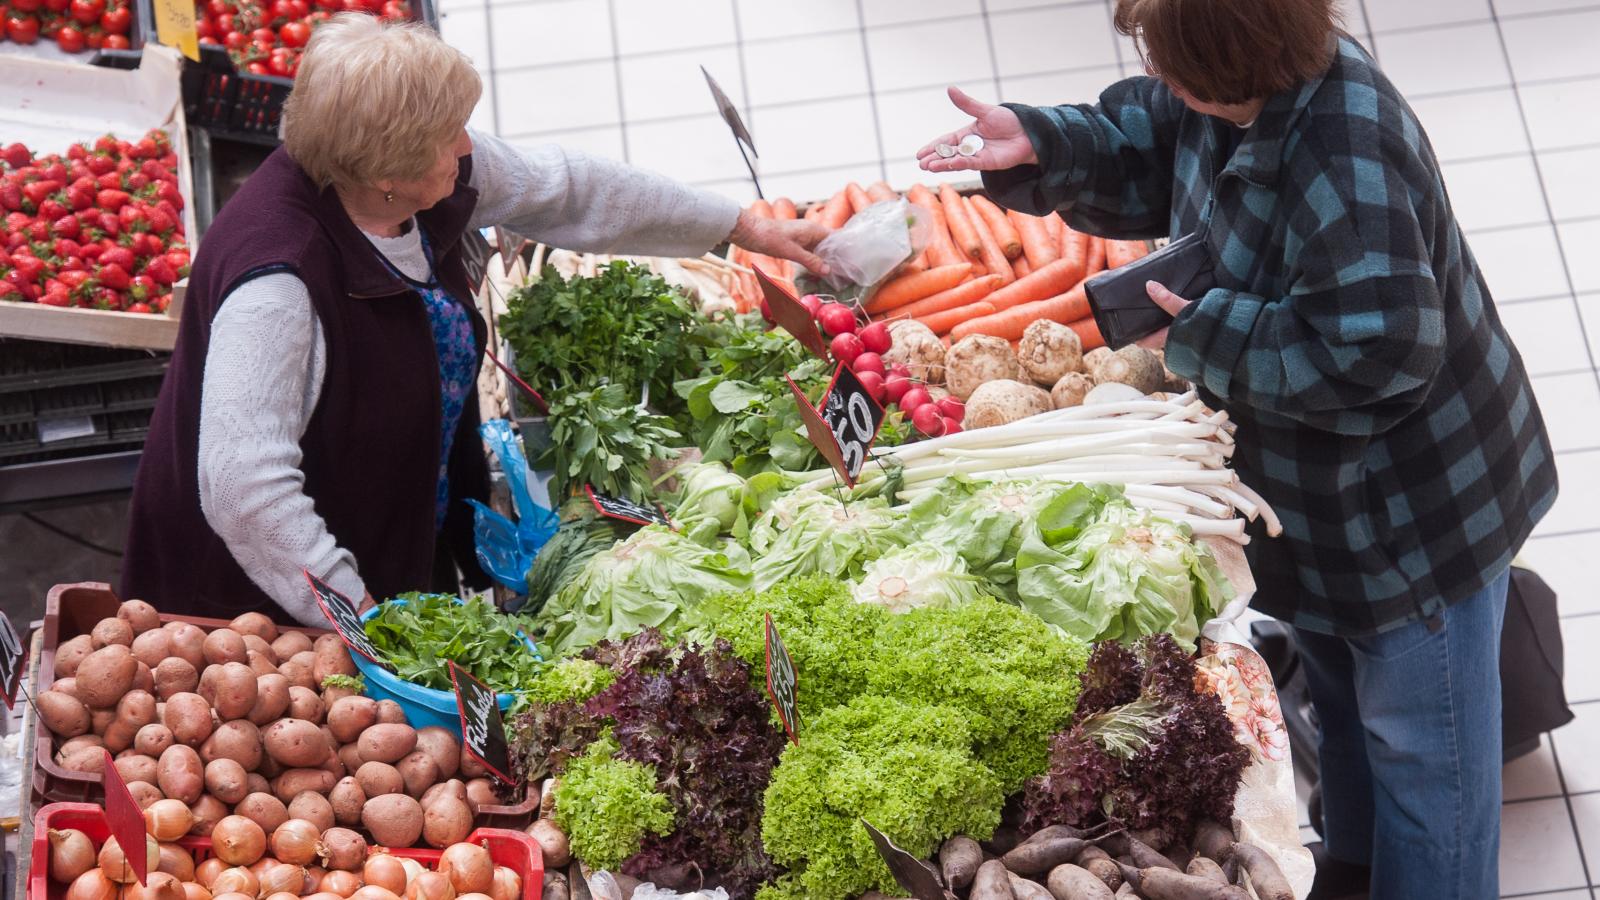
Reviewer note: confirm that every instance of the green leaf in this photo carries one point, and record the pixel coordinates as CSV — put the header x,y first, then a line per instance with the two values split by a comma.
x,y
735,396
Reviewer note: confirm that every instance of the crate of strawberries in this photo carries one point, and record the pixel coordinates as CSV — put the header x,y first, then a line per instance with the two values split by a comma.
x,y
70,29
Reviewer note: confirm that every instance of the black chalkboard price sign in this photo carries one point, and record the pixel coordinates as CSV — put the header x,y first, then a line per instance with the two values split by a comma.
x,y
625,510
346,623
12,657
844,424
782,682
482,733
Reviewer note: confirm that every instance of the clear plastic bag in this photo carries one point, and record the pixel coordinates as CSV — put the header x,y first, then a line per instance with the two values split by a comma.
x,y
874,243
603,885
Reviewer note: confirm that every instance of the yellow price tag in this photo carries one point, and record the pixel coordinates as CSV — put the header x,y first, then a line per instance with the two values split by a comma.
x,y
175,26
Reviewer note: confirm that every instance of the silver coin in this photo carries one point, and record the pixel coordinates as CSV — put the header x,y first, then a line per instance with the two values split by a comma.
x,y
945,151
970,145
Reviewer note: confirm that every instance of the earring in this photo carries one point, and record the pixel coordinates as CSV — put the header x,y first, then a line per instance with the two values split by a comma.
x,y
388,196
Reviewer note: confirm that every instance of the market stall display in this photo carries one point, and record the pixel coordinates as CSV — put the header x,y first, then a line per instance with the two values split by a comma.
x,y
66,29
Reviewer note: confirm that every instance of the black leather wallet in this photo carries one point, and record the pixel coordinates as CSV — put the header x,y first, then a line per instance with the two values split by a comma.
x,y
1122,307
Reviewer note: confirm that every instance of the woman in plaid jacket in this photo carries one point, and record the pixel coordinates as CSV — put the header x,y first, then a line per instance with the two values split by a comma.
x,y
1382,409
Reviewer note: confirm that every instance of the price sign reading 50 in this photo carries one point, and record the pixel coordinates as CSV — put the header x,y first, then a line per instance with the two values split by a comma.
x,y
853,417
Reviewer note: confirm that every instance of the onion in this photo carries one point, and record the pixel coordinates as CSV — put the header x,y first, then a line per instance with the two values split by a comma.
x,y
431,886
237,880
313,878
282,877
234,895
71,854
295,842
92,885
177,862
260,866
323,895
340,882
168,820
157,886
206,873
473,897
115,865
283,895
469,868
193,891
413,869
341,848
372,892
507,884
383,870
238,841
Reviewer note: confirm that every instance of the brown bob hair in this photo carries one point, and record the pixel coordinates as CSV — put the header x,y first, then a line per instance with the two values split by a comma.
x,y
1231,51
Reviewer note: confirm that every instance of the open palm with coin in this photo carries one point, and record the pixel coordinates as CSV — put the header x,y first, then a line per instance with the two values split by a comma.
x,y
1001,142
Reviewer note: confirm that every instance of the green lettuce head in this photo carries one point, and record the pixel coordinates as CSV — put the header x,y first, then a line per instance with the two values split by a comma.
x,y
809,532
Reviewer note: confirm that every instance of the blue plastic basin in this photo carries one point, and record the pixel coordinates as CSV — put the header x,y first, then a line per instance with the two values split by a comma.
x,y
424,706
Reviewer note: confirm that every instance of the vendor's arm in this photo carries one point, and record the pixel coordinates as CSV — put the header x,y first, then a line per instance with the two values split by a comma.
x,y
594,205
264,370
1355,346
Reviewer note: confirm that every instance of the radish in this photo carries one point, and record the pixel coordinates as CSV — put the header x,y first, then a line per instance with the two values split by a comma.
x,y
876,337
951,408
836,319
927,420
952,426
812,303
901,369
917,396
869,361
873,382
846,348
895,387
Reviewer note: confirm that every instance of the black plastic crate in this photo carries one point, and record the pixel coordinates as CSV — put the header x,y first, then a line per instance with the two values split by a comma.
x,y
59,401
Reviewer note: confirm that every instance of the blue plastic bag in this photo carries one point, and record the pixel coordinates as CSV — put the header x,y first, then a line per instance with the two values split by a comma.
x,y
506,549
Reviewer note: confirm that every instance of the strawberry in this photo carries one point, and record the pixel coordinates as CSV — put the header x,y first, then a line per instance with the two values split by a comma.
x,y
80,198
118,256
58,297
109,224
100,164
112,276
179,258
133,218
161,270
146,148
143,287
16,155
38,191
155,171
28,267
105,298
77,152
39,231
112,200
138,181
10,197
110,181
74,279
169,192
18,221
139,308
56,171
160,221
67,226
90,252
52,208
107,144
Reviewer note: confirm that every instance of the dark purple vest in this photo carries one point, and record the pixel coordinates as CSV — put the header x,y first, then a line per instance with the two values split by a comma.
x,y
371,449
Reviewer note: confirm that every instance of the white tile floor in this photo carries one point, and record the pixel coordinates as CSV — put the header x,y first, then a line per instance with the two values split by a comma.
x,y
833,90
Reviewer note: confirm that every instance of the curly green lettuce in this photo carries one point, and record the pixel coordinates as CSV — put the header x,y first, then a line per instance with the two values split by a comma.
x,y
570,679
607,806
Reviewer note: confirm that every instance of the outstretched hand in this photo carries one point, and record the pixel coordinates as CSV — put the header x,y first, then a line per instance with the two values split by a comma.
x,y
792,239
1005,144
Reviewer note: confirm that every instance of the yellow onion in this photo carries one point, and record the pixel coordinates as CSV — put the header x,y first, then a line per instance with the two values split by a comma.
x,y
431,886
323,895
282,877
413,869
206,873
469,868
177,862
372,892
71,854
194,891
115,864
282,895
260,866
238,841
295,842
157,886
168,820
507,884
340,882
233,895
313,878
92,885
472,897
383,870
237,880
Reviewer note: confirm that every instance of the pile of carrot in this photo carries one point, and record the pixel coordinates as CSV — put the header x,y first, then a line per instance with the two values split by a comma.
x,y
984,270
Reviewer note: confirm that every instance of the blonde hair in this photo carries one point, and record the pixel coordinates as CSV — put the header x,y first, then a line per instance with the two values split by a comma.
x,y
373,100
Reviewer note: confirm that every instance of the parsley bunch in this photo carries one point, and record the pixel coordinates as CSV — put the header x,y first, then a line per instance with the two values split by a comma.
x,y
416,633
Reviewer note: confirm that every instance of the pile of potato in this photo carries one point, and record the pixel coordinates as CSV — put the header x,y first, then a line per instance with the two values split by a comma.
x,y
240,721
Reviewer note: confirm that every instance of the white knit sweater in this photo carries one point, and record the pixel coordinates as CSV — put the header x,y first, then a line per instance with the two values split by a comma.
x,y
267,357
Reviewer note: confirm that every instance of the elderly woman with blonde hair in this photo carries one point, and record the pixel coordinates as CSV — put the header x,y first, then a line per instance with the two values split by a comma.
x,y
317,416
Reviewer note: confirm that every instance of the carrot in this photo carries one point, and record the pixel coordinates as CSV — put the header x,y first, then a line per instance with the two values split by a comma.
x,y
994,258
941,252
858,197
1048,281
1010,323
941,322
1097,257
1088,333
1000,226
1036,243
1055,227
1120,253
878,192
905,289
1075,249
783,208
960,295
961,230
1020,267
837,212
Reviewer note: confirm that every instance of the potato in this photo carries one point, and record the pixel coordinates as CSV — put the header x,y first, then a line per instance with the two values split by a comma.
x,y
239,741
143,678
101,719
443,746
188,643
272,698
332,694
446,822
257,783
377,779
105,675
153,739
471,768
454,787
264,809
293,782
332,658
224,646
347,799
181,776
393,820
314,808
119,736
269,767
287,644
152,647
137,708
259,663
83,759
71,653
305,703
139,768
351,716
81,741
387,743
256,624
419,771
144,793
174,675
139,615
350,755
68,686
230,688
227,780
298,673
208,811
295,743
64,714
111,631
391,713
189,718
480,793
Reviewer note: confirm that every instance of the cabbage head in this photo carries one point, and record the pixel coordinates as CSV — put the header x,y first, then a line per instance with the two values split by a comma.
x,y
807,532
916,577
708,502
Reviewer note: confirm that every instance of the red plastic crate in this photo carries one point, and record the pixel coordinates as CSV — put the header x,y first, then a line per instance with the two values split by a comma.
x,y
74,609
512,849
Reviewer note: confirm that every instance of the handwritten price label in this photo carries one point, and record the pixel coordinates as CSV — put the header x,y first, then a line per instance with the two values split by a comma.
x,y
625,510
12,657
483,734
782,682
175,26
346,623
846,424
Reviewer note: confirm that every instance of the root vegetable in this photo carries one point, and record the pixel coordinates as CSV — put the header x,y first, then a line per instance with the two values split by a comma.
x,y
339,882
257,624
1070,882
105,675
71,854
306,704
188,643
341,848
238,840
83,759
206,872
1101,865
224,646
350,756
1049,350
1071,390
1265,877
393,820
1135,367
552,842
71,654
351,716
332,658
979,359
391,713
1201,867
267,811
431,886
384,871
208,811
469,868
916,347
347,798
992,882
138,768
555,887
180,774
295,842
507,884
192,891
387,743
1003,402
959,859
1024,889
174,675
446,822
314,808
419,772
443,746
1147,857
1168,884
272,698
152,647
287,644
377,779
238,740
168,820
111,631
93,885
1042,852
176,861
281,878
292,782
139,615
1214,841
188,717
295,743
157,886
66,716
480,793
153,739
238,879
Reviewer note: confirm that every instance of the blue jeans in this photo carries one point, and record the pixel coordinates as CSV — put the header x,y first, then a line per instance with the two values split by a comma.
x,y
1411,750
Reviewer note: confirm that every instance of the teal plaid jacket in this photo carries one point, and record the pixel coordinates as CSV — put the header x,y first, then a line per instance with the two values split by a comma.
x,y
1382,409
